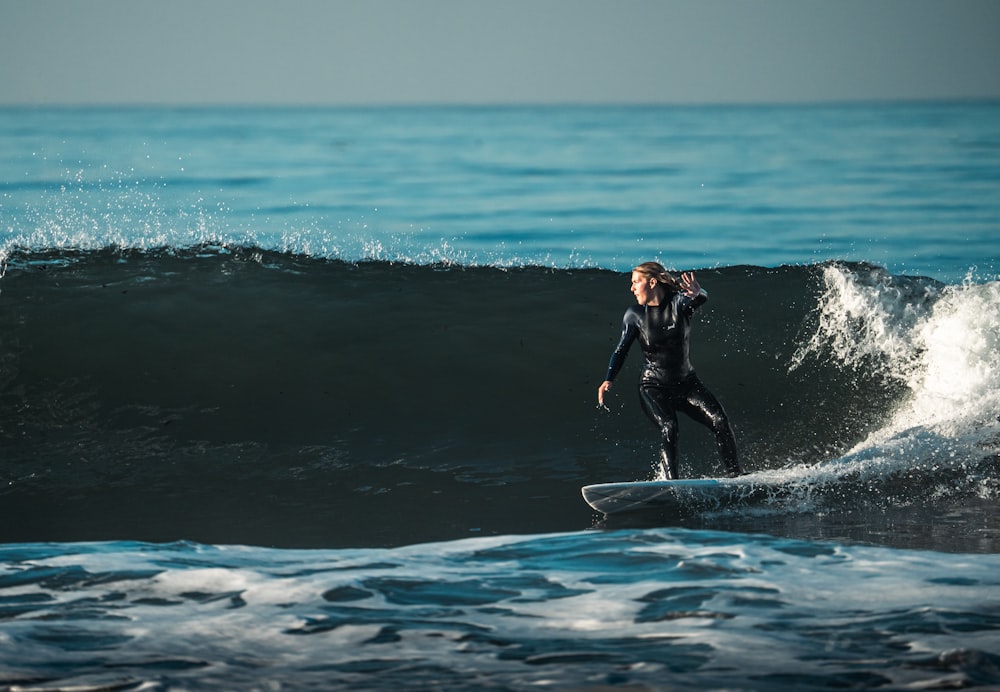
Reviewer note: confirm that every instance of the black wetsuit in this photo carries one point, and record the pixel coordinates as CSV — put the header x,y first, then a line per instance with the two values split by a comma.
x,y
669,383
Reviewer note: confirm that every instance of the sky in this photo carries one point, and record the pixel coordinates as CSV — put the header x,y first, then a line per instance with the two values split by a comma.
x,y
357,52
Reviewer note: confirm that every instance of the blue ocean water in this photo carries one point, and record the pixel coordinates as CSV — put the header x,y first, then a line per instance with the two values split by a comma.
x,y
652,609
303,398
910,187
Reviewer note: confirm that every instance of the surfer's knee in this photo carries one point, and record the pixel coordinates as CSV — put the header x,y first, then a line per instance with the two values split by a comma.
x,y
719,423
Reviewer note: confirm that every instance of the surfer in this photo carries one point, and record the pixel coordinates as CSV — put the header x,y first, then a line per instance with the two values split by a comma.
x,y
662,322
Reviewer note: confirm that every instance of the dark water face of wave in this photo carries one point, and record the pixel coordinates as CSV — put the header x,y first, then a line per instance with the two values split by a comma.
x,y
267,399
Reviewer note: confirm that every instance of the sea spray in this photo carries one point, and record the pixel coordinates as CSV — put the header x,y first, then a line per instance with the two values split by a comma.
x,y
865,318
941,343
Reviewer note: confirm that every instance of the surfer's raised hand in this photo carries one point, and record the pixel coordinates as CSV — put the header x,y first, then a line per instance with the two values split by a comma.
x,y
605,386
690,285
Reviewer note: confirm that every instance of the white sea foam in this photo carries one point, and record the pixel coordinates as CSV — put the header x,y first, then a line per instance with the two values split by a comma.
x,y
941,342
673,606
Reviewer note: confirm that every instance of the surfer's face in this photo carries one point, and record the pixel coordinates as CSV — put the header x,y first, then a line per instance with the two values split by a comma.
x,y
642,287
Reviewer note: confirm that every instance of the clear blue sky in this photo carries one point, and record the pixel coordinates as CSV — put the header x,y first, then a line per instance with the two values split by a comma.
x,y
496,51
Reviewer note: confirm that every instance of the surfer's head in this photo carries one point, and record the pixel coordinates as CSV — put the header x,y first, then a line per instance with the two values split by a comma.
x,y
650,281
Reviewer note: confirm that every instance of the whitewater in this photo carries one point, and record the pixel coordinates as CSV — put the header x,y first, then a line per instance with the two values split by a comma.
x,y
304,398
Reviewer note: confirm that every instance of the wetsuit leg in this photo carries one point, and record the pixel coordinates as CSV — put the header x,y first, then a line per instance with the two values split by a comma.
x,y
702,406
656,403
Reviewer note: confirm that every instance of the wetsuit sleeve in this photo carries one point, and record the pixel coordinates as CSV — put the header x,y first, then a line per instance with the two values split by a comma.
x,y
689,305
630,328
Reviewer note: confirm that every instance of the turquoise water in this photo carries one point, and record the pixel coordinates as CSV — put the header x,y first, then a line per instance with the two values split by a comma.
x,y
911,187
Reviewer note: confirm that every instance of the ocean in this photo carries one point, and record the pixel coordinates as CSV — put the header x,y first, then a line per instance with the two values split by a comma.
x,y
303,398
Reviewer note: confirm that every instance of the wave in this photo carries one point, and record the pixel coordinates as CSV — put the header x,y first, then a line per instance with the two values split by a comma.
x,y
676,608
686,609
244,395
941,344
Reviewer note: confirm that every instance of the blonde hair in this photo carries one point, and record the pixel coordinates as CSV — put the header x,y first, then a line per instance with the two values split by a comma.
x,y
655,270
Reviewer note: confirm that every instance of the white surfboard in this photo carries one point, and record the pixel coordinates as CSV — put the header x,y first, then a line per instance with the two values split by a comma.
x,y
692,494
